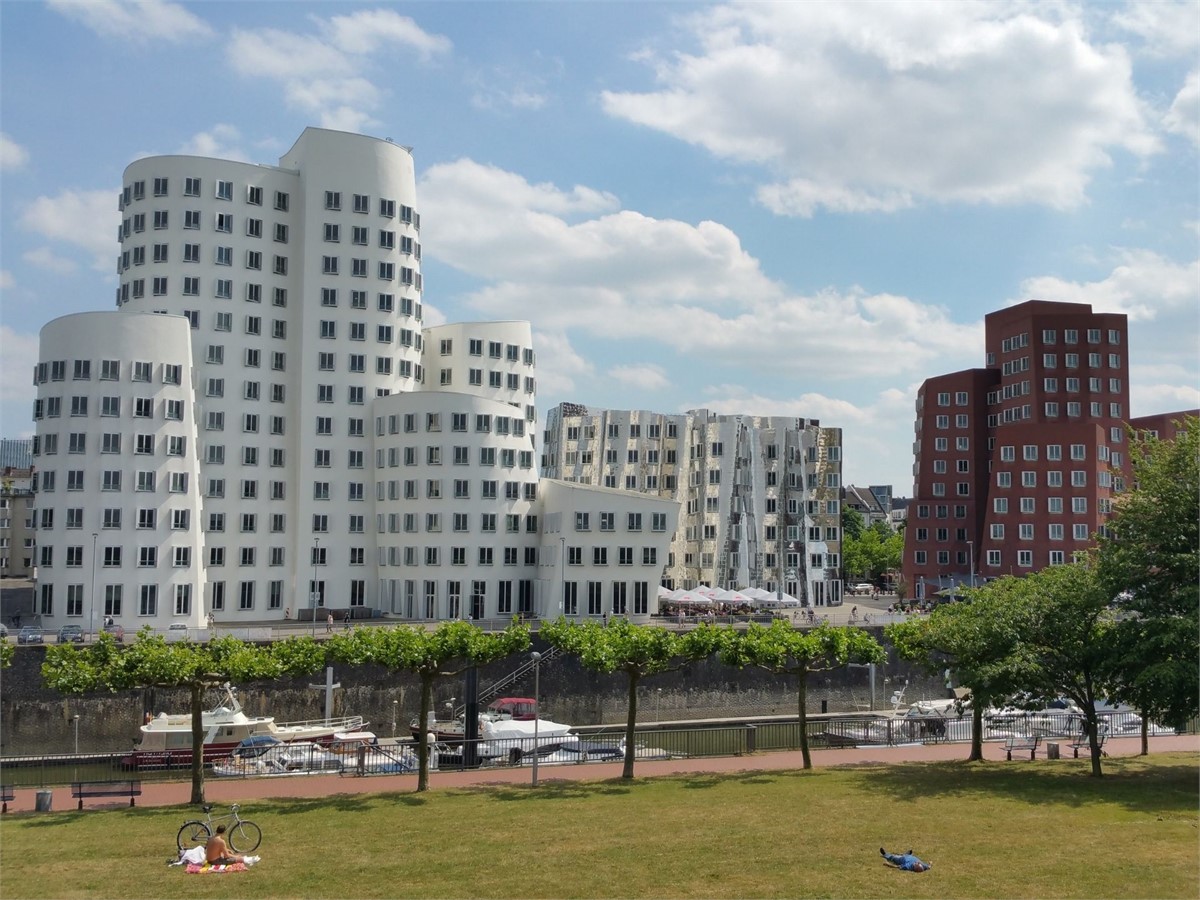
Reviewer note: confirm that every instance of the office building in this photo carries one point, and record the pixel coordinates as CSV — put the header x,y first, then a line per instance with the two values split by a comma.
x,y
1017,464
760,494
265,428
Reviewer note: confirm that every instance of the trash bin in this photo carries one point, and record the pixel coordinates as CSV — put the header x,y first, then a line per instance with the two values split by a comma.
x,y
1052,750
43,800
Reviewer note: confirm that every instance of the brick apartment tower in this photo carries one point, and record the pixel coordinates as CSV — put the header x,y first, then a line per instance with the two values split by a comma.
x,y
1016,464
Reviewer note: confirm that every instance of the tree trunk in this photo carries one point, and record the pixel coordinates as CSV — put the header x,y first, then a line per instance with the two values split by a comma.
x,y
1093,728
802,701
197,743
976,754
422,740
631,727
1145,734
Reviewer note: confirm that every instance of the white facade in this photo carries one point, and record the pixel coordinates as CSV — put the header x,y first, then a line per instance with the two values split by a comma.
x,y
760,494
118,510
319,419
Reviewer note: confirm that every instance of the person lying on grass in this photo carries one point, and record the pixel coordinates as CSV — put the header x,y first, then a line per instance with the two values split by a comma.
x,y
906,861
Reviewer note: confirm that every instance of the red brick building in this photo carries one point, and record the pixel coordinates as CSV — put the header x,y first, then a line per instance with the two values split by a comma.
x,y
1016,464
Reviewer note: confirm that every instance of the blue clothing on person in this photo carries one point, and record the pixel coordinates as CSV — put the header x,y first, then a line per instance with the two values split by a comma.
x,y
906,861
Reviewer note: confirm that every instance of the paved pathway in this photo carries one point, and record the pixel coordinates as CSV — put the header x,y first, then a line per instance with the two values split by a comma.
x,y
223,791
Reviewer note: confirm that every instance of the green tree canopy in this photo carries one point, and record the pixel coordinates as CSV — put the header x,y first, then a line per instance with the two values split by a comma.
x,y
876,551
448,650
152,662
638,651
1150,560
980,640
852,523
786,650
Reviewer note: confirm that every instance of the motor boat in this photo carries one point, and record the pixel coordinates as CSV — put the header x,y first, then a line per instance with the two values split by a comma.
x,y
166,739
451,730
263,755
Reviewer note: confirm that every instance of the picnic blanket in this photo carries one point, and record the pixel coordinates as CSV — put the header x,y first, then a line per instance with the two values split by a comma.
x,y
206,869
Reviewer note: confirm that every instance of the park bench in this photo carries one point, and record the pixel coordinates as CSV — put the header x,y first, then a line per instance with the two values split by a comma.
x,y
1022,742
129,788
7,796
1081,743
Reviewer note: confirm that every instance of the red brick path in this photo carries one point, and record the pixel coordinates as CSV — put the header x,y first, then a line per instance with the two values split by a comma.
x,y
222,791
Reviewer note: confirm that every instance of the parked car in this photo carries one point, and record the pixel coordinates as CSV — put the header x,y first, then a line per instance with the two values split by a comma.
x,y
862,588
177,631
70,634
29,634
3,630
117,631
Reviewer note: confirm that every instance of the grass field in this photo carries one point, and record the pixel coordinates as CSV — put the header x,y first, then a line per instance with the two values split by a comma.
x,y
1034,829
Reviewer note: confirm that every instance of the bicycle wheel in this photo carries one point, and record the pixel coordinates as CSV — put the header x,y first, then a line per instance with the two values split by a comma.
x,y
192,834
244,837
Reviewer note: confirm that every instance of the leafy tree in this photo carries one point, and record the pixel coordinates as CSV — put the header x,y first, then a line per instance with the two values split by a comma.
x,y
1066,630
852,523
785,650
638,651
7,651
980,640
1150,560
449,650
877,550
152,662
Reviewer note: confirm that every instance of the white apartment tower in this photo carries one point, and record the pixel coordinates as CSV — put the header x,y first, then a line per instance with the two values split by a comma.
x,y
264,428
760,494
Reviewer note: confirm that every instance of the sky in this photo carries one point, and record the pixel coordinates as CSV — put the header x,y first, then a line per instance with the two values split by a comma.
x,y
797,209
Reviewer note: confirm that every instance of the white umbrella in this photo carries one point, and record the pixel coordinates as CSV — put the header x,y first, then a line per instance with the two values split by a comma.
x,y
692,599
755,593
663,592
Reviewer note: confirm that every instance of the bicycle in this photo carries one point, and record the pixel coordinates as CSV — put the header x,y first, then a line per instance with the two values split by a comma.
x,y
243,835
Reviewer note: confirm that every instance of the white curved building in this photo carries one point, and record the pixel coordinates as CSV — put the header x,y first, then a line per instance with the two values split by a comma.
x,y
319,415
119,530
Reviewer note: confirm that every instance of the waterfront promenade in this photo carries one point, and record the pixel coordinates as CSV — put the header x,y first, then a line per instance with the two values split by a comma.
x,y
222,791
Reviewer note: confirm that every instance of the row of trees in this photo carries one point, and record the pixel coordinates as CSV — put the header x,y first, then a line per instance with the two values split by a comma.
x,y
635,651
1122,624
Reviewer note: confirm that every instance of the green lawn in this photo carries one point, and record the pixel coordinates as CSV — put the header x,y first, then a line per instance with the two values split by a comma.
x,y
1020,829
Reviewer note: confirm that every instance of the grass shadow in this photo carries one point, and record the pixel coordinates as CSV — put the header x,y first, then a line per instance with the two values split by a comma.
x,y
1125,783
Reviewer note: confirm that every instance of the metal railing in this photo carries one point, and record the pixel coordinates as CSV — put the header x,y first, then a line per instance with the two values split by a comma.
x,y
603,746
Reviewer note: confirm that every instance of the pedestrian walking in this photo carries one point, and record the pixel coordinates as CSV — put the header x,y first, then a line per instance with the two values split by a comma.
x,y
329,624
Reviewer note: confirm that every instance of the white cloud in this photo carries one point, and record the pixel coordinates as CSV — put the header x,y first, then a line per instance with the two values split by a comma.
x,y
85,219
327,73
1142,284
560,366
691,289
135,20
1184,115
7,281
643,377
18,356
1167,29
45,258
222,141
870,107
12,155
1146,398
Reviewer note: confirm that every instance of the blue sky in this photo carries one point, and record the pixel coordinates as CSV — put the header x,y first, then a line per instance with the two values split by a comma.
x,y
778,209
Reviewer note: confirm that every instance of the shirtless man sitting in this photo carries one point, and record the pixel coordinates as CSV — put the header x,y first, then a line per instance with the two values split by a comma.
x,y
216,852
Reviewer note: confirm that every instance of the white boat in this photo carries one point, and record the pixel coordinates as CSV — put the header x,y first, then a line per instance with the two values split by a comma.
x,y
502,738
451,730
262,755
166,739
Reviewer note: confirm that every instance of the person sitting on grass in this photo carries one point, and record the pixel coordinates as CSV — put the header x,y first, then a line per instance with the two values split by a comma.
x,y
906,861
216,851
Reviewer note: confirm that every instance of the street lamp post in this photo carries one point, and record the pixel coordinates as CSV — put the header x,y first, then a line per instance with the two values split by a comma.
x,y
395,712
75,720
537,709
658,705
971,560
92,599
313,593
